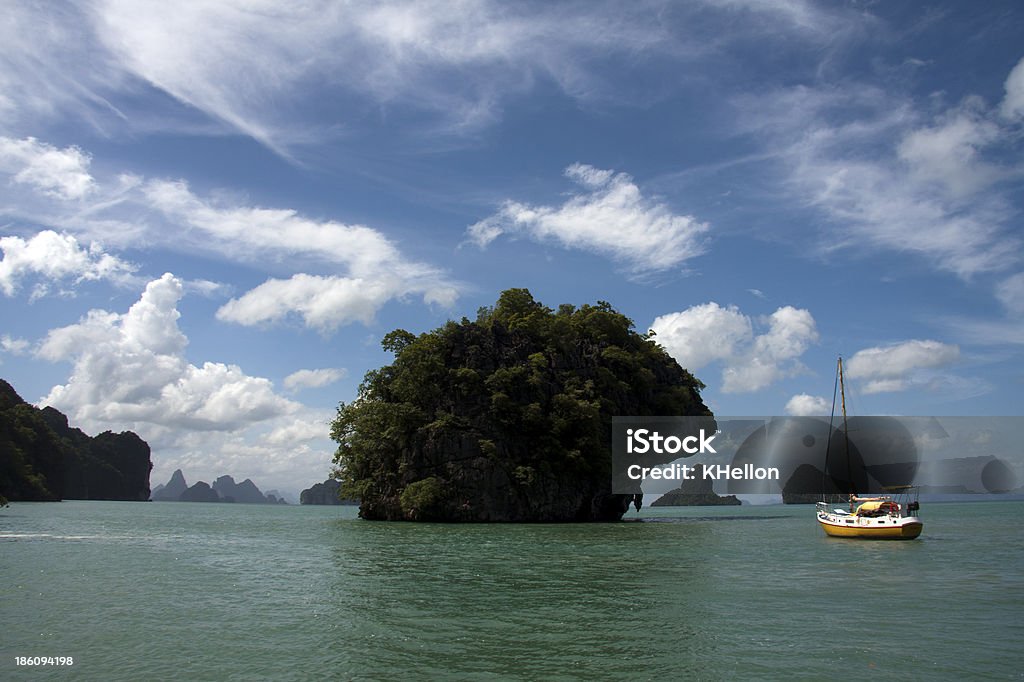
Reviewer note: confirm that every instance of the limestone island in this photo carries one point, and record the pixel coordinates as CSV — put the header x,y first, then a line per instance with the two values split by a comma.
x,y
507,417
43,459
696,492
326,493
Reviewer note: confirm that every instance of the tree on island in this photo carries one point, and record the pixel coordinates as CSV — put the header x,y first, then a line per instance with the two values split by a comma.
x,y
505,418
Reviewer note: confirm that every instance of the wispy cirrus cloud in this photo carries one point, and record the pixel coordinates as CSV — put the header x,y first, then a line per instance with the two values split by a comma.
x,y
251,66
140,213
891,177
609,216
242,63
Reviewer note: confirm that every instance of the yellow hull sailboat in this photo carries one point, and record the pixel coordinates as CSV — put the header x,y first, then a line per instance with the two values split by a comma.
x,y
877,518
886,517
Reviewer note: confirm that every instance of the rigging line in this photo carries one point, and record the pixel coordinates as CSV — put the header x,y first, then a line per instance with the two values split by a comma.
x,y
828,440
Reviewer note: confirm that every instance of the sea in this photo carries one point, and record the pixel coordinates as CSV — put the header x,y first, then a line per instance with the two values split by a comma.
x,y
161,591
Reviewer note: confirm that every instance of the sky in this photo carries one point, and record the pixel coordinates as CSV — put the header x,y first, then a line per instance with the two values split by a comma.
x,y
212,212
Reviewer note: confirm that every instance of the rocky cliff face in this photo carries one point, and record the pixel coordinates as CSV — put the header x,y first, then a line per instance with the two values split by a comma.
x,y
46,459
245,492
507,418
174,489
328,492
200,492
224,489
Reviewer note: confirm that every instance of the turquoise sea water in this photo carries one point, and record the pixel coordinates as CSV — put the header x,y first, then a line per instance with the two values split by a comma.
x,y
138,591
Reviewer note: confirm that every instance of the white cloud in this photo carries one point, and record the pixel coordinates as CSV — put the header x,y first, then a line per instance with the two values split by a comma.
x,y
299,431
250,65
804,405
55,257
706,333
61,173
774,354
890,177
898,366
131,369
611,217
702,334
1013,103
254,66
51,64
1010,293
366,268
313,378
950,152
378,272
258,234
14,346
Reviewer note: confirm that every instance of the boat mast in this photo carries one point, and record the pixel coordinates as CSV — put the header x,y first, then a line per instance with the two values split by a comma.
x,y
846,431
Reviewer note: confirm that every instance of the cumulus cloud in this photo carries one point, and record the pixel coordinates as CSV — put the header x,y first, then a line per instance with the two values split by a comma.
x,y
54,257
313,378
898,366
61,173
611,216
706,333
131,369
804,405
774,354
702,334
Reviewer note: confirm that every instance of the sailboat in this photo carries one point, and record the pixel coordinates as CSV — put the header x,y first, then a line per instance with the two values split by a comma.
x,y
893,516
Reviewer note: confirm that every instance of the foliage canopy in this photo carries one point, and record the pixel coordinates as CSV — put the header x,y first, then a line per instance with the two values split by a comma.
x,y
507,417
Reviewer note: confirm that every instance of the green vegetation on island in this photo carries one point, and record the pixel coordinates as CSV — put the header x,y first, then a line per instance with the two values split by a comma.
x,y
505,418
43,459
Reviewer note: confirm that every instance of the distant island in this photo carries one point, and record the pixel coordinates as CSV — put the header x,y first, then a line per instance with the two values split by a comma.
x,y
224,489
326,493
43,459
696,492
507,417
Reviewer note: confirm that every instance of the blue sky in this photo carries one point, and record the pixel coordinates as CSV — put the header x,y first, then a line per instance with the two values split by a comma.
x,y
211,214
